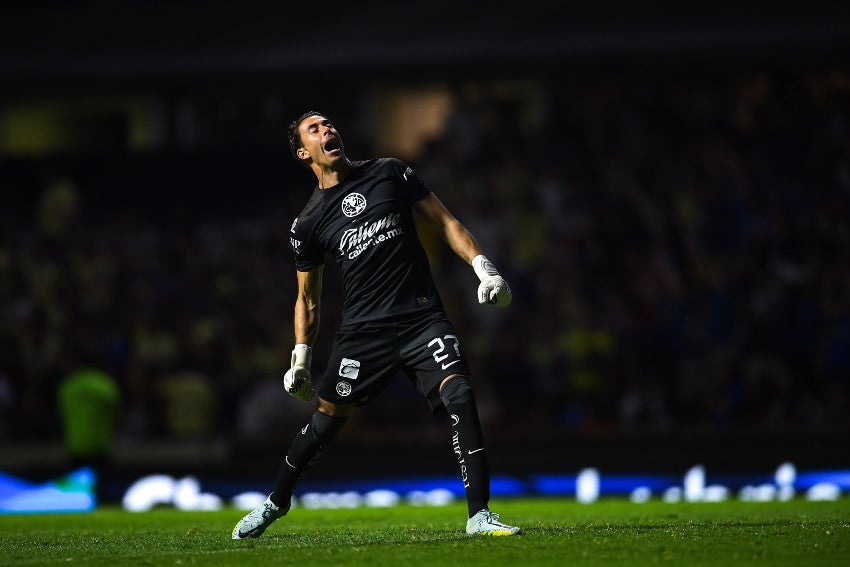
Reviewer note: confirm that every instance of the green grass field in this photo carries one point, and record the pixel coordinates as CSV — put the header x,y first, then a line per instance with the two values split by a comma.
x,y
557,532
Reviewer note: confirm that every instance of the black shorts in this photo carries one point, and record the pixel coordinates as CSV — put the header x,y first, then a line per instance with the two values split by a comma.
x,y
366,356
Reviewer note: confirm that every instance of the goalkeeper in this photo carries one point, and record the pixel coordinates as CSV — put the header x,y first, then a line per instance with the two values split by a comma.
x,y
362,214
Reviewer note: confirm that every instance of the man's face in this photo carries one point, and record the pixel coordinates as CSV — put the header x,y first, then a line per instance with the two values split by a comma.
x,y
320,141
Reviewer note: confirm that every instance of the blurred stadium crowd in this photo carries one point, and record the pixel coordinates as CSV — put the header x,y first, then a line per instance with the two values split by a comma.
x,y
678,249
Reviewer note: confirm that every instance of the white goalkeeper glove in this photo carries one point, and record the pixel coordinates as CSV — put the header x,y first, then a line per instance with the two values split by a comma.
x,y
297,379
493,288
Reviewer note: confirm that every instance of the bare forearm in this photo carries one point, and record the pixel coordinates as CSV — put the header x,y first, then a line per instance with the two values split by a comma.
x,y
306,321
308,303
460,240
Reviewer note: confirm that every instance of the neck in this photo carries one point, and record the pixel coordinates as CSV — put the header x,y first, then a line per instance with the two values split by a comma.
x,y
333,174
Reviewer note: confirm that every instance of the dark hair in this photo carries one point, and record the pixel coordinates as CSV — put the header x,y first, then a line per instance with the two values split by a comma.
x,y
294,136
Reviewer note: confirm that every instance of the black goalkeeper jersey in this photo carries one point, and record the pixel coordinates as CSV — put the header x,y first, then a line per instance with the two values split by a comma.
x,y
366,223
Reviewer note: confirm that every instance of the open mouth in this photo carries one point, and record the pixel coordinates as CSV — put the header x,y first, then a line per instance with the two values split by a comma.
x,y
332,145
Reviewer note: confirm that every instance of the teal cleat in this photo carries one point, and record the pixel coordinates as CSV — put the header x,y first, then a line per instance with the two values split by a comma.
x,y
486,522
257,520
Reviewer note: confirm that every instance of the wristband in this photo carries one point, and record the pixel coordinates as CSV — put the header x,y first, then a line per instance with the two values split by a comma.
x,y
483,267
302,355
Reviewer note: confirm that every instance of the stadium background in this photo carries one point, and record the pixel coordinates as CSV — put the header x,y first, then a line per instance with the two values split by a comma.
x,y
667,189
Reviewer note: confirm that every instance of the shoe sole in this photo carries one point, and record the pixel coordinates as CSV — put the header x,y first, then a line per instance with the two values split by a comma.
x,y
495,533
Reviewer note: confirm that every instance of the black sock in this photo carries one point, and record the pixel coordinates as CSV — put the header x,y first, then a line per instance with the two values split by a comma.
x,y
305,449
468,442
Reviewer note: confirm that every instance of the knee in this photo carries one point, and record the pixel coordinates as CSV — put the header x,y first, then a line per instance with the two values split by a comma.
x,y
456,390
323,426
335,410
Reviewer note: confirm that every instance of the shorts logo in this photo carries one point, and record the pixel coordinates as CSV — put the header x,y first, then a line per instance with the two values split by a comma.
x,y
353,204
349,368
343,388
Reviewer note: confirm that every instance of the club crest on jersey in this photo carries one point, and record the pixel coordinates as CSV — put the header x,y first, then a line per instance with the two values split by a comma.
x,y
343,388
353,204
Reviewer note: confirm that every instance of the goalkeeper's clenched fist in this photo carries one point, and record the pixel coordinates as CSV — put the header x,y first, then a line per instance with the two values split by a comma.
x,y
493,288
297,379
